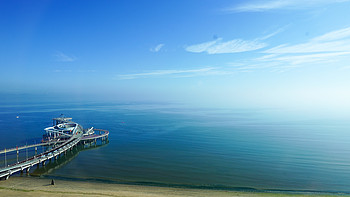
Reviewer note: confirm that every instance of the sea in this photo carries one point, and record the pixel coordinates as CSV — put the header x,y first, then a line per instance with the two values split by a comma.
x,y
176,145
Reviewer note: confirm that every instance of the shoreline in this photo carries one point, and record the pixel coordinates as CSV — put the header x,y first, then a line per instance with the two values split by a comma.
x,y
36,186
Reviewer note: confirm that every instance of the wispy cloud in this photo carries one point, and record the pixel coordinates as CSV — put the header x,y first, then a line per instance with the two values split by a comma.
x,y
174,73
335,41
322,49
328,48
219,46
273,33
312,47
60,71
233,46
334,35
61,57
198,48
306,58
261,6
259,65
157,48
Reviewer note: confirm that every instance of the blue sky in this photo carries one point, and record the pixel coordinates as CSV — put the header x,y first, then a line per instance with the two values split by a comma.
x,y
214,53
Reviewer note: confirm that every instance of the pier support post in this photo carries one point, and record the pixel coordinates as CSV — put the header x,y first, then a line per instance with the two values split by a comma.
x,y
36,150
17,155
26,151
5,159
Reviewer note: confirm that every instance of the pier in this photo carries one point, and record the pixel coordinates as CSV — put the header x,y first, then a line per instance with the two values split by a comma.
x,y
30,146
61,147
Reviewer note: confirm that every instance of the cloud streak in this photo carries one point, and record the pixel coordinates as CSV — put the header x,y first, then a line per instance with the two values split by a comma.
x,y
323,49
261,6
61,57
335,41
334,35
219,46
157,48
326,48
273,33
306,58
174,73
330,47
233,46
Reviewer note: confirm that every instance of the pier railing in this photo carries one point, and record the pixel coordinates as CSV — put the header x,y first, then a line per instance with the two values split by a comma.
x,y
30,146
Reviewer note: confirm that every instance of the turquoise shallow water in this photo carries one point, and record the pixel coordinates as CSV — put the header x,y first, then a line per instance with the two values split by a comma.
x,y
175,145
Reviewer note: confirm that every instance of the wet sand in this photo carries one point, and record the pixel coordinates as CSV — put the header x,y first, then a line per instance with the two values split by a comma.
x,y
33,186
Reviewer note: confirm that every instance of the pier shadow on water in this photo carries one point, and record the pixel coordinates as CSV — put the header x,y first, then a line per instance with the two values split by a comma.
x,y
64,158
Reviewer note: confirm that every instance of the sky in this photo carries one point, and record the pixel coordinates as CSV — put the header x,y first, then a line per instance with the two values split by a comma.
x,y
249,53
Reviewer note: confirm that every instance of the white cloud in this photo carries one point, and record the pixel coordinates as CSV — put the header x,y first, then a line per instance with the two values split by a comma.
x,y
60,71
334,35
330,47
260,6
235,46
308,58
177,73
232,46
157,48
312,47
273,33
198,48
335,41
61,57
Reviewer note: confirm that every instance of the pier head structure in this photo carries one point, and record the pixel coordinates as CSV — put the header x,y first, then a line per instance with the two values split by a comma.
x,y
63,136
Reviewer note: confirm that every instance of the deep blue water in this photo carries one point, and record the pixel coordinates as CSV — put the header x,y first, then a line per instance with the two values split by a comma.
x,y
179,145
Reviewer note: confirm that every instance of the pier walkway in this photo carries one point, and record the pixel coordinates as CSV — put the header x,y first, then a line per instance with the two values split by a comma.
x,y
41,158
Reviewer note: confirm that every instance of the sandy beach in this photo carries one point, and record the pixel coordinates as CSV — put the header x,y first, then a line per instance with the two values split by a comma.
x,y
33,186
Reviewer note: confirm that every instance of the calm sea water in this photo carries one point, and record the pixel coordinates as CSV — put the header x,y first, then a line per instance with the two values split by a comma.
x,y
172,145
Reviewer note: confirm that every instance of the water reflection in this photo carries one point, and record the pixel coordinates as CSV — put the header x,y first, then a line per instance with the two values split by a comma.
x,y
65,158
